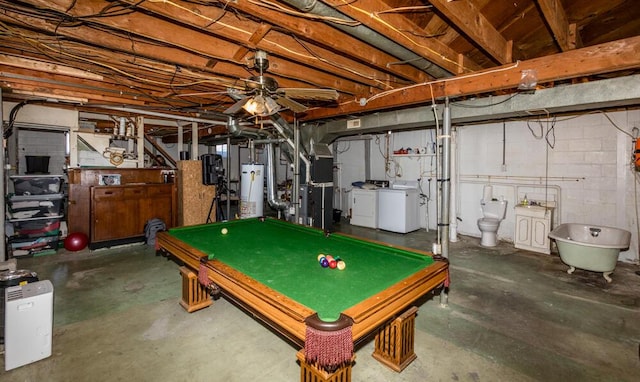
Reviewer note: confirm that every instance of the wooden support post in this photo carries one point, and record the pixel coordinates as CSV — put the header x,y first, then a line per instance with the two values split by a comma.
x,y
194,295
310,373
394,341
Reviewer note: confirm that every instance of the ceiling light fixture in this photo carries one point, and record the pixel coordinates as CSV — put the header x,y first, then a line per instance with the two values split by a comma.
x,y
261,106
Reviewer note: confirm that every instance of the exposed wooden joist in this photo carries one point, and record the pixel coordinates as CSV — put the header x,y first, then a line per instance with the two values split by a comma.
x,y
474,25
556,19
327,36
392,25
318,61
604,58
27,63
255,38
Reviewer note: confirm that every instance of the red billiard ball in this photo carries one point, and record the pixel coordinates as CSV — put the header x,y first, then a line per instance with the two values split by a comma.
x,y
333,264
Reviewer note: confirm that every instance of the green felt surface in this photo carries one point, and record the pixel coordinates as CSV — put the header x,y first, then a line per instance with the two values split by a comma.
x,y
283,256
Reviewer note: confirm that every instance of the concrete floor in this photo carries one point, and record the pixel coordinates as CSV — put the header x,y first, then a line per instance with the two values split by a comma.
x,y
512,316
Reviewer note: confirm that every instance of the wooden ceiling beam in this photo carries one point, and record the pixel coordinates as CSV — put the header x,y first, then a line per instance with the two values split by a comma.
x,y
469,19
118,44
556,19
325,35
249,34
27,63
598,59
393,25
136,48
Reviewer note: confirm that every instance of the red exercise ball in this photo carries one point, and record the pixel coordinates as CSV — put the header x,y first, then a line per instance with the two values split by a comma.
x,y
75,241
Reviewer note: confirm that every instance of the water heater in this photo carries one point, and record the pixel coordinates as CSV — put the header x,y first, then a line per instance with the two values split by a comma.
x,y
251,190
28,323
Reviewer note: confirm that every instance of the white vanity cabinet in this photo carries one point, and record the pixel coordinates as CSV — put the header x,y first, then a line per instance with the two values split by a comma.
x,y
533,224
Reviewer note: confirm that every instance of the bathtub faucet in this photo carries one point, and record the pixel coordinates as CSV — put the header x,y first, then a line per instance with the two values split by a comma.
x,y
595,231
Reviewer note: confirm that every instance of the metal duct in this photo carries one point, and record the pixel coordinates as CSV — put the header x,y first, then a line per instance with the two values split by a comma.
x,y
272,198
370,36
238,131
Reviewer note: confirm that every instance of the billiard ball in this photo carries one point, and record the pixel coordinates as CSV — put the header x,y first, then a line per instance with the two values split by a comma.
x,y
332,264
224,231
329,257
324,263
320,256
341,265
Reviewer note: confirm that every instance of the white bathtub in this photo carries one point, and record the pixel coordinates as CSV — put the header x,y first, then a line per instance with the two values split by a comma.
x,y
590,247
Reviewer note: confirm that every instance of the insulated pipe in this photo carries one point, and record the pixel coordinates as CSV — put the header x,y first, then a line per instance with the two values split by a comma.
x,y
272,199
445,177
453,227
370,36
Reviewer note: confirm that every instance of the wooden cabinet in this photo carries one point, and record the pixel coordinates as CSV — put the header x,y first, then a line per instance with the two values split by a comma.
x,y
116,214
120,212
532,228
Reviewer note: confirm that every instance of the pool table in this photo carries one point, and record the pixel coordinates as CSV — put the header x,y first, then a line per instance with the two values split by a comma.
x,y
271,268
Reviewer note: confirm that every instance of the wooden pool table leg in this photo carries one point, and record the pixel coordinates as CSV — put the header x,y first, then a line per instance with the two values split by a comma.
x,y
394,342
194,295
310,373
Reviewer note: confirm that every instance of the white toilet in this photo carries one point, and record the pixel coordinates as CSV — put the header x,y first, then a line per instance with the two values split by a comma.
x,y
493,211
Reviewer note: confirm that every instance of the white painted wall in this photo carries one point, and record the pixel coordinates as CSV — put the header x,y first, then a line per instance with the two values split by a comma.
x,y
587,172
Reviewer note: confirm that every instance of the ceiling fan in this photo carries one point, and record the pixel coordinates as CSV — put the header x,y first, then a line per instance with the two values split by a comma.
x,y
263,97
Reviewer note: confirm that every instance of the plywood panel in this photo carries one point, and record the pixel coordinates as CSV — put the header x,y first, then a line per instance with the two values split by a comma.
x,y
194,198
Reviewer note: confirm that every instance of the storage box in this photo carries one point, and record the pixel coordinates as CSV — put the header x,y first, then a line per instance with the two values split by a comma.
x,y
36,246
37,184
34,227
34,206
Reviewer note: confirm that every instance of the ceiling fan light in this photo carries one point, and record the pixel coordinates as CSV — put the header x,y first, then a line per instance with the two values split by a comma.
x,y
271,105
255,105
261,106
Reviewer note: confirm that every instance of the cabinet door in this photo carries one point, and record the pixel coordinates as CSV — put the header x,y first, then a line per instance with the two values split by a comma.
x,y
523,231
78,216
540,233
114,214
157,204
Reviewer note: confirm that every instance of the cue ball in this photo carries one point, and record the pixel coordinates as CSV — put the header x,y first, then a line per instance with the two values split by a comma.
x,y
341,265
224,231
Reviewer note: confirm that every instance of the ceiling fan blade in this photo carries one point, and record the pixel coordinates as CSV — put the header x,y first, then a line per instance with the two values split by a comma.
x,y
310,93
291,104
237,106
236,94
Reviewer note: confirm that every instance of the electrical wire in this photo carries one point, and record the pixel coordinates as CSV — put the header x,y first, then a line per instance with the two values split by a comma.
x,y
460,104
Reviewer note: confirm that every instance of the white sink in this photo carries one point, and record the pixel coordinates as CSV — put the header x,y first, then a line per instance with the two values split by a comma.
x,y
532,211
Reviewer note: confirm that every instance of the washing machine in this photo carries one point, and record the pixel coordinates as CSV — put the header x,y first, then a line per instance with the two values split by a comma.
x,y
399,207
